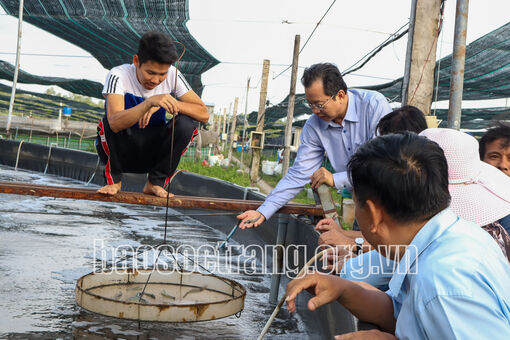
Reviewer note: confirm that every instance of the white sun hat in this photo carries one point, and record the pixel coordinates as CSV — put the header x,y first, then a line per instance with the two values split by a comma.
x,y
480,192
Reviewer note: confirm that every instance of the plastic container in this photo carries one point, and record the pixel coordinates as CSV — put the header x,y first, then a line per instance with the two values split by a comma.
x,y
268,167
348,211
347,207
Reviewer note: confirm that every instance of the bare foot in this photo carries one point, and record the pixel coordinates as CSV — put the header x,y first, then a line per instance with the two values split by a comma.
x,y
156,190
110,189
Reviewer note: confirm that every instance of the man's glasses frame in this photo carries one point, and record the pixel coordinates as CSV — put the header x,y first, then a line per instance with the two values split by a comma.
x,y
319,107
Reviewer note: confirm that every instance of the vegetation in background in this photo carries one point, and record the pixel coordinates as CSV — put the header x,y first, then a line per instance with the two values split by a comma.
x,y
216,171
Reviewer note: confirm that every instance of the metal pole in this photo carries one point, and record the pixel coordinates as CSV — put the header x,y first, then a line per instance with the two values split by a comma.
x,y
458,59
290,111
283,222
16,69
409,55
244,123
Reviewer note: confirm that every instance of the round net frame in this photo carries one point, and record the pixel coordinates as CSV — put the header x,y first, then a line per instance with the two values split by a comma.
x,y
160,295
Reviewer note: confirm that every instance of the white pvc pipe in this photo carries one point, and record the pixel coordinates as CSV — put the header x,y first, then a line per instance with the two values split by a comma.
x,y
16,68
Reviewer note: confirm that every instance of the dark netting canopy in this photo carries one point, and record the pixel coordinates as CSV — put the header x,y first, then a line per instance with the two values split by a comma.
x,y
487,76
470,118
47,106
487,70
80,86
279,111
110,29
477,118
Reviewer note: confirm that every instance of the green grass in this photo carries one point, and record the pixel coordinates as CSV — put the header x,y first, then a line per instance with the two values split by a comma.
x,y
230,174
63,141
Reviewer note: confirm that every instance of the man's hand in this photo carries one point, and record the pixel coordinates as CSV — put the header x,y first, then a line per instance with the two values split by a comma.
x,y
144,121
373,334
327,288
165,101
332,234
334,261
321,176
327,224
335,238
250,219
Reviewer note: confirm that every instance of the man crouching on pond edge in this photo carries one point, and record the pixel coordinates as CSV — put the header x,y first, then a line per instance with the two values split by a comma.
x,y
451,279
134,136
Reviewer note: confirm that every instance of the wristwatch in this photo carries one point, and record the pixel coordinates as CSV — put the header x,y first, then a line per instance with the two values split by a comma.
x,y
359,245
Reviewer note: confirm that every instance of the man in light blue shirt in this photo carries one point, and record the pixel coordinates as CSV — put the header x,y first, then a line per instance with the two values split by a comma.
x,y
451,279
342,121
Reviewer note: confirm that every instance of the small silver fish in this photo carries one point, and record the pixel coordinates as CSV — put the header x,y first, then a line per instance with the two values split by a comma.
x,y
150,295
118,296
194,290
165,294
138,298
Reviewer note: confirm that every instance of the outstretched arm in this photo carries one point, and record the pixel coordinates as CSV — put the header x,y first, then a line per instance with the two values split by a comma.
x,y
367,304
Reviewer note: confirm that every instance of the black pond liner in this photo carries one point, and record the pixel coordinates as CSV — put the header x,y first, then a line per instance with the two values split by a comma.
x,y
326,322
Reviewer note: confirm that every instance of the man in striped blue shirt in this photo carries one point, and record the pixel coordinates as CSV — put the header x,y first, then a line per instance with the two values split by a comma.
x,y
342,121
134,135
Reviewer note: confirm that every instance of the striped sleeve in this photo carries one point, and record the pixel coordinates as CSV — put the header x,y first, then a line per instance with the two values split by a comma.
x,y
113,84
182,85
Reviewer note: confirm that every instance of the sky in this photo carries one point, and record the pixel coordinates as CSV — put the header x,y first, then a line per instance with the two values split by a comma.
x,y
241,34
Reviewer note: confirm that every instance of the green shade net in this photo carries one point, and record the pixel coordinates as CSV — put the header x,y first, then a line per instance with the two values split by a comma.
x,y
487,76
487,70
83,87
110,29
47,106
470,118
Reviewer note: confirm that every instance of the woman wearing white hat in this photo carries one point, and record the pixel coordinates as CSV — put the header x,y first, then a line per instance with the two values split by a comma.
x,y
480,192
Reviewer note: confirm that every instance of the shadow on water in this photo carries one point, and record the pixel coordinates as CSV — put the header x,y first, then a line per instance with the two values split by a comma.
x,y
46,244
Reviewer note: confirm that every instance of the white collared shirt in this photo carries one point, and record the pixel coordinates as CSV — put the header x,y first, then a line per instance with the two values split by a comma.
x,y
339,142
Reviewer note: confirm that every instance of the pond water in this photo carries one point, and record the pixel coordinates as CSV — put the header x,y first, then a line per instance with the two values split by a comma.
x,y
46,244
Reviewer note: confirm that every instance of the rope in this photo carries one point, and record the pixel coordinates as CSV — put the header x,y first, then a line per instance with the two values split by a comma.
x,y
282,300
439,64
394,37
170,175
94,173
308,39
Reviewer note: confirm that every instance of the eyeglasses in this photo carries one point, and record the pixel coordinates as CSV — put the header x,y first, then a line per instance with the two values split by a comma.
x,y
317,106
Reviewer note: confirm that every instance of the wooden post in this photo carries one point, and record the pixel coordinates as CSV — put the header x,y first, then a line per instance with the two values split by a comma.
x,y
244,123
423,55
290,112
254,172
224,130
232,131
